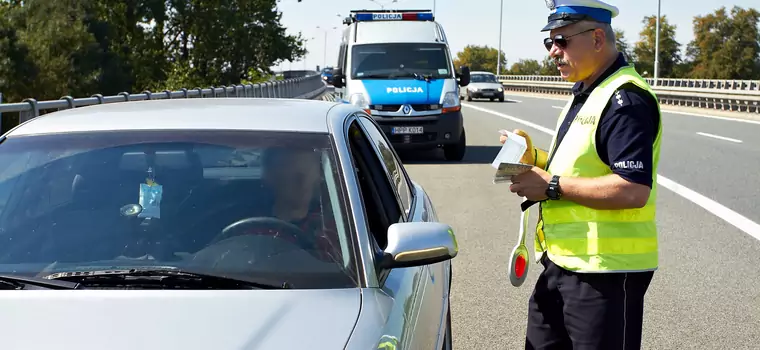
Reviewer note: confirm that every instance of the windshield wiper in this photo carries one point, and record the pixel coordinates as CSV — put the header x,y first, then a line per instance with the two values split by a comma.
x,y
165,276
374,76
28,283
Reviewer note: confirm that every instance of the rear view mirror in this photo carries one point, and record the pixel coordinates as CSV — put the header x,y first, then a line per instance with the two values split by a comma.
x,y
337,78
464,77
419,243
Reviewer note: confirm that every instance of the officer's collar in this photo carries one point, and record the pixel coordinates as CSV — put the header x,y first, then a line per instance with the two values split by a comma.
x,y
620,62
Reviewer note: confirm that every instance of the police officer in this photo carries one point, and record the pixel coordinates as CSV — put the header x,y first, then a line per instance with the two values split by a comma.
x,y
596,235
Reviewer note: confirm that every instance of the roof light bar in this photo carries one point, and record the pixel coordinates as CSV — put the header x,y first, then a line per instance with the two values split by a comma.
x,y
392,15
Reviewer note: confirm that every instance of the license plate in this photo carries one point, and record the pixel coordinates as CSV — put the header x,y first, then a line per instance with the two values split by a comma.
x,y
488,94
407,130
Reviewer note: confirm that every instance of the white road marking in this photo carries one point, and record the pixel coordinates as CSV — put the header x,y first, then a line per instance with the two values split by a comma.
x,y
544,97
737,220
719,137
512,100
514,119
558,107
665,109
748,121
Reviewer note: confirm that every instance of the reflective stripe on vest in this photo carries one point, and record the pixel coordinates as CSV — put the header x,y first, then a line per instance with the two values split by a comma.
x,y
583,239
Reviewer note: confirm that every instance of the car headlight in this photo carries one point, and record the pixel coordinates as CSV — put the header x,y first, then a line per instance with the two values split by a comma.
x,y
501,89
451,102
360,101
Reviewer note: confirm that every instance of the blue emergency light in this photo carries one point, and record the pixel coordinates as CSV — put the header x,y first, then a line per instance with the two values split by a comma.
x,y
393,16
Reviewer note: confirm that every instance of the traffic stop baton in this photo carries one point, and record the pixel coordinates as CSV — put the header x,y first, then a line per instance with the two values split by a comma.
x,y
519,262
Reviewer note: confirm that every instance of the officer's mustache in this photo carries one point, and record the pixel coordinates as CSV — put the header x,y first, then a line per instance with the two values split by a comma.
x,y
559,61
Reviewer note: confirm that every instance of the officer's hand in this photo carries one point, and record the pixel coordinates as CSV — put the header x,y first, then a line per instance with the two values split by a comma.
x,y
529,156
531,184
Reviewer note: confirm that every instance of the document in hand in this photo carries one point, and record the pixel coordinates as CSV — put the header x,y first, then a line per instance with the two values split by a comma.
x,y
507,162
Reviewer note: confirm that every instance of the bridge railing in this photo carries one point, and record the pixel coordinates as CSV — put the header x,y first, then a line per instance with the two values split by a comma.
x,y
727,95
309,87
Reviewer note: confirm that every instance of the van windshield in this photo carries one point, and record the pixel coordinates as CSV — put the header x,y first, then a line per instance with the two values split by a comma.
x,y
400,61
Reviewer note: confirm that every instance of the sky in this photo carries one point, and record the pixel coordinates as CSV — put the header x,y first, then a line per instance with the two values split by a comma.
x,y
465,23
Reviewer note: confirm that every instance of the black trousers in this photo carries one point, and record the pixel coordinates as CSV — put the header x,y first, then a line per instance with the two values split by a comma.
x,y
586,311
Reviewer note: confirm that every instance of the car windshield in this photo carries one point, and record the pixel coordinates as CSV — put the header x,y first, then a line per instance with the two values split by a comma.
x,y
263,205
399,60
482,78
327,70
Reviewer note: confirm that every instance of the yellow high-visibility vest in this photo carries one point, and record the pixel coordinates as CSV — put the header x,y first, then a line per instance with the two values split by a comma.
x,y
583,239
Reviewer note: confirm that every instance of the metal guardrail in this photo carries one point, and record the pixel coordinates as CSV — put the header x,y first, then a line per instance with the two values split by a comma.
x,y
727,95
309,87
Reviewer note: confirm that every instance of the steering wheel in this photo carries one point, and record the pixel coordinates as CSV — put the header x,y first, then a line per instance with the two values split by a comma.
x,y
235,229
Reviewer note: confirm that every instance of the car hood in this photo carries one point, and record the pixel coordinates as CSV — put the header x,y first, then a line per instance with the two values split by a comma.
x,y
484,85
219,320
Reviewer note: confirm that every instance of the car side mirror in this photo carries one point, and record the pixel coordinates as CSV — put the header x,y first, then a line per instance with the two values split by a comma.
x,y
464,77
419,243
337,78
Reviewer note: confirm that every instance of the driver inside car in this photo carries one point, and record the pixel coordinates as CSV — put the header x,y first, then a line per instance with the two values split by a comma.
x,y
294,179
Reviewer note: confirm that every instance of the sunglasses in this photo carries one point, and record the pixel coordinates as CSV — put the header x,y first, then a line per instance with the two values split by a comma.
x,y
561,40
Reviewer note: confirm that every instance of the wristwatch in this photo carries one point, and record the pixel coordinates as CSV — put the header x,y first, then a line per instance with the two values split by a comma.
x,y
553,191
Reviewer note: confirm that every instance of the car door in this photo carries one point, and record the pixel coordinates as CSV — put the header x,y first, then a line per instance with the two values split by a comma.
x,y
381,209
432,282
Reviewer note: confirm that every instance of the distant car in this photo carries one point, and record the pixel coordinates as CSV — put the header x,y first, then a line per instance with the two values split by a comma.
x,y
483,85
218,224
327,74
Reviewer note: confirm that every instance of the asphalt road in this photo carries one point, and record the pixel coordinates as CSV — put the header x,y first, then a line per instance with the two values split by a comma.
x,y
706,293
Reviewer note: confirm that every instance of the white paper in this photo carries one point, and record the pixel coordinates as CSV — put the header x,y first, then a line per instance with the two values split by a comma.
x,y
507,162
511,151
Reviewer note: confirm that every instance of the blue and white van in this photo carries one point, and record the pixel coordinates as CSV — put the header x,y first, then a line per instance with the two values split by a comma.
x,y
397,65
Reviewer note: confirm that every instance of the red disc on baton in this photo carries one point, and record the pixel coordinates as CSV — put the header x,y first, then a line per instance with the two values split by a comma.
x,y
520,266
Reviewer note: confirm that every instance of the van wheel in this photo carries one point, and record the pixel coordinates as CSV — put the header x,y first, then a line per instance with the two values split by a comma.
x,y
455,152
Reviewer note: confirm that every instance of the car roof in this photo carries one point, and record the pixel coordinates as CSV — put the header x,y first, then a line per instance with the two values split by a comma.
x,y
481,72
382,32
269,114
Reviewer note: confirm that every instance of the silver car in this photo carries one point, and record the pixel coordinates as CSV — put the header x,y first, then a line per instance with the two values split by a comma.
x,y
483,85
217,224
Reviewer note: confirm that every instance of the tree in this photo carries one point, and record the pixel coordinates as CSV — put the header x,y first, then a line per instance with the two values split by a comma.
x,y
623,46
525,67
644,50
480,58
52,48
726,47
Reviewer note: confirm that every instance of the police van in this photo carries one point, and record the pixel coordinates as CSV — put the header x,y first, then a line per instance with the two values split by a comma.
x,y
396,64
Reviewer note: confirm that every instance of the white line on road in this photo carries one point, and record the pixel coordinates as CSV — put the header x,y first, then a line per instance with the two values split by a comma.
x,y
665,109
719,137
512,100
737,220
558,107
514,119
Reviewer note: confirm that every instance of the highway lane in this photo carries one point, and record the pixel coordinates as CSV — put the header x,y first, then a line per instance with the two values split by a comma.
x,y
706,294
719,169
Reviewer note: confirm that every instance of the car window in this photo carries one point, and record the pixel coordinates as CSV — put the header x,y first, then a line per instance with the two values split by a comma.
x,y
394,169
164,198
483,78
379,202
